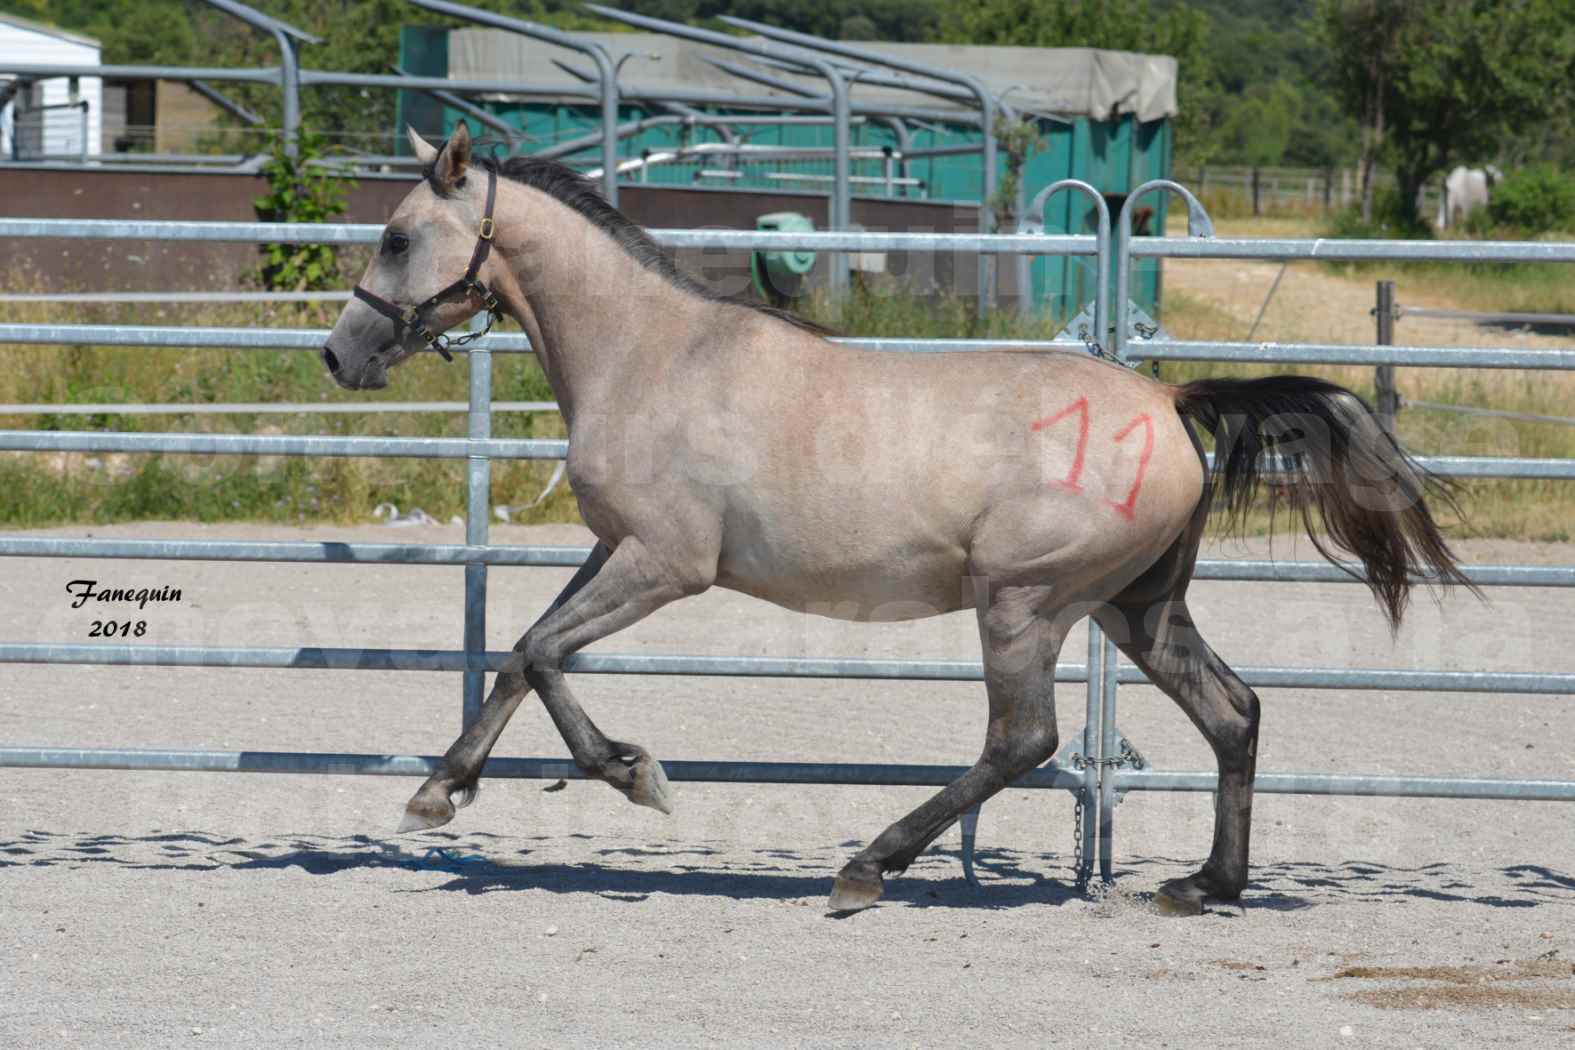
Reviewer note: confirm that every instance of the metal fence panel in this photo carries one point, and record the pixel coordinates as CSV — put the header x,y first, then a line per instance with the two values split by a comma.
x,y
1099,773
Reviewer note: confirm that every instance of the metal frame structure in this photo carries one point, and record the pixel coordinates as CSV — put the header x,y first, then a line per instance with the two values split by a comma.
x,y
1098,766
781,49
988,105
606,73
841,112
285,36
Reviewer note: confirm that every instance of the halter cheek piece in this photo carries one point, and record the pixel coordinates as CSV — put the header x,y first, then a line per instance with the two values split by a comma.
x,y
411,316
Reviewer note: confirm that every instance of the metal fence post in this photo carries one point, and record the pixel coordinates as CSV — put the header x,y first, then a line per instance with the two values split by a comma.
x,y
1108,750
1387,397
478,508
1198,225
290,88
1257,208
1031,220
1088,798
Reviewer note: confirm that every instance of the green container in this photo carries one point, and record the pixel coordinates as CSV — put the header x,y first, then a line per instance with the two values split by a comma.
x,y
778,275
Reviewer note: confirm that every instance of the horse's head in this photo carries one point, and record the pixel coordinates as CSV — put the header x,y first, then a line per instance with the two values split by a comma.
x,y
430,273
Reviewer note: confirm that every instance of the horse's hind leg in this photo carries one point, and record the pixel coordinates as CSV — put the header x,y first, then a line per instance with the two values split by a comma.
x,y
1161,638
1021,643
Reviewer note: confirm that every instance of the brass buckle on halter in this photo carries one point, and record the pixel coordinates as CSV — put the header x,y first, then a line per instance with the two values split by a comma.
x,y
436,343
487,228
410,317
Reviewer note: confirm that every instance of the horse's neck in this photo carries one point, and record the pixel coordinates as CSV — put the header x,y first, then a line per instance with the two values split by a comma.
x,y
600,322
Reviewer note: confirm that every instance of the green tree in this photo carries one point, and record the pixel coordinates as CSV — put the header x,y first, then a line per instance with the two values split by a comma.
x,y
898,20
1446,82
34,9
1258,126
1178,30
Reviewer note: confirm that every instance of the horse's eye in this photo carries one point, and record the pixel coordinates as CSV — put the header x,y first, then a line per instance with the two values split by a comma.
x,y
396,243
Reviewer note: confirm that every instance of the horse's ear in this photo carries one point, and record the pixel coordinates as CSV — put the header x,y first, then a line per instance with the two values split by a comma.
x,y
453,160
425,152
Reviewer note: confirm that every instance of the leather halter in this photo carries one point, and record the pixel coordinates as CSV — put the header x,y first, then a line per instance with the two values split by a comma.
x,y
411,316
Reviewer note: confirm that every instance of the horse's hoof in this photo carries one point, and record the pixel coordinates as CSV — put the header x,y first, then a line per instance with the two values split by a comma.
x,y
428,808
857,887
465,796
1180,897
640,778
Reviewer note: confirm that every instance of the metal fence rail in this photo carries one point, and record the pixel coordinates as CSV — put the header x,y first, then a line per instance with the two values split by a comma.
x,y
283,445
1098,777
174,297
264,408
314,658
162,336
573,557
538,448
518,768
1482,317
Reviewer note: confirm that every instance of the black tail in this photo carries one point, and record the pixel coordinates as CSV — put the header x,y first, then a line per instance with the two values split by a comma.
x,y
1334,458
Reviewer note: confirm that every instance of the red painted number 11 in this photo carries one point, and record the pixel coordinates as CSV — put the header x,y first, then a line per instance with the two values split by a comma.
x,y
1127,508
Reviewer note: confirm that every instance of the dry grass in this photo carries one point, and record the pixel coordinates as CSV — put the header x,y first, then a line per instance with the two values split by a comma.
x,y
1488,997
74,488
1467,987
1520,970
1219,299
1489,287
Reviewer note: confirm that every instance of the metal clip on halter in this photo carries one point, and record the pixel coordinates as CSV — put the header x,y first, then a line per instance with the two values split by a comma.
x,y
410,316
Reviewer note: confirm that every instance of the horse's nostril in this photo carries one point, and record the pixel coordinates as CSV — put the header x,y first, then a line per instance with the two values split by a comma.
x,y
330,360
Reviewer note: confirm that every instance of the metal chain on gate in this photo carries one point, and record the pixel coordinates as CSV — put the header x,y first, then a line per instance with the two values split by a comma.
x,y
1078,816
1092,346
1128,756
1094,349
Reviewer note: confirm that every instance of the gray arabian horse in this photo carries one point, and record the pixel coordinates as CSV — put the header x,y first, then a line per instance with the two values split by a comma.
x,y
713,442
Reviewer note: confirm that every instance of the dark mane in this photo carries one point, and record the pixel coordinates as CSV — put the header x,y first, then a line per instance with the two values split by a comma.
x,y
581,194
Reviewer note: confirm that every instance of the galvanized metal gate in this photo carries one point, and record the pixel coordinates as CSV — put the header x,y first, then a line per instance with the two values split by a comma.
x,y
1097,765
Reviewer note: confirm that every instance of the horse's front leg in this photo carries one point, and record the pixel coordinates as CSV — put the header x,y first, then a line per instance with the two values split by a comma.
x,y
611,591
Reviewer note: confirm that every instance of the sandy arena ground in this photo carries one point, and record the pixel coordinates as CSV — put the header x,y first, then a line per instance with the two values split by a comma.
x,y
245,910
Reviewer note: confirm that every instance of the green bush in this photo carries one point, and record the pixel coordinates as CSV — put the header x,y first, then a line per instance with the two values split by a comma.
x,y
1389,222
299,191
1534,200
1479,224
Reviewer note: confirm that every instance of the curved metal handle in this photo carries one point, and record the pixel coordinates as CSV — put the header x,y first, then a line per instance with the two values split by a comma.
x,y
1033,221
1198,225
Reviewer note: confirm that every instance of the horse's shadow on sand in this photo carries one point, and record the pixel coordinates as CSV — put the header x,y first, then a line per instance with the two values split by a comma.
x,y
480,863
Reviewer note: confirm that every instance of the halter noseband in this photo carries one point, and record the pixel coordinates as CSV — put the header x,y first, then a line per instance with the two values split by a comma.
x,y
410,317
